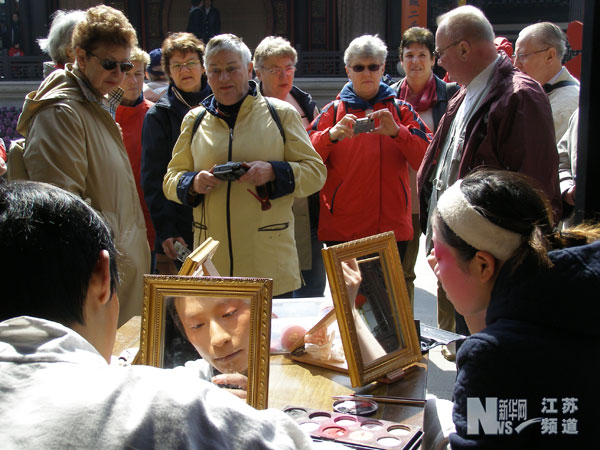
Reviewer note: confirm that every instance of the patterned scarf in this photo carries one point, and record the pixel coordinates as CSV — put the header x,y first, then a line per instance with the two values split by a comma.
x,y
423,100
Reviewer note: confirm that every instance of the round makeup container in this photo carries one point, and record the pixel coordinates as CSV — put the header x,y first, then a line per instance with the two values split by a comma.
x,y
309,426
295,413
346,421
320,416
372,425
389,441
398,430
355,407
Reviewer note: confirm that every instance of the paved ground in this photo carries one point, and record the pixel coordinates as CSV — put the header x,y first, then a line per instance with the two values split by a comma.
x,y
441,374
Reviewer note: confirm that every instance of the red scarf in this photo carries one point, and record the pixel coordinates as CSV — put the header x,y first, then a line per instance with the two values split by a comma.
x,y
423,100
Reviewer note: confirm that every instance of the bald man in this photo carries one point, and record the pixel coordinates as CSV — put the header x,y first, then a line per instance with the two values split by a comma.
x,y
540,49
500,119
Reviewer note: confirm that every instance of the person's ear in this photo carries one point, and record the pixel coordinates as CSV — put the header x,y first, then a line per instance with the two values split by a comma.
x,y
484,266
99,291
551,55
464,49
250,67
80,57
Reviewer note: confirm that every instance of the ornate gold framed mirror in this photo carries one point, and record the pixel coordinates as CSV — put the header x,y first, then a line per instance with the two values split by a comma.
x,y
372,307
217,327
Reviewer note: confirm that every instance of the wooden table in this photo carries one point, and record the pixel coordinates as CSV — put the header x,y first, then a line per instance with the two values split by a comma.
x,y
299,384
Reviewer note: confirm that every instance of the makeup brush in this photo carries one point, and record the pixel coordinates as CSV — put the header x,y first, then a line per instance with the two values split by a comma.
x,y
383,399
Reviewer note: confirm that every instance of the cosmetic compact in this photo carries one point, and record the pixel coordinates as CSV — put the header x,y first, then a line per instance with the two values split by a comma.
x,y
355,431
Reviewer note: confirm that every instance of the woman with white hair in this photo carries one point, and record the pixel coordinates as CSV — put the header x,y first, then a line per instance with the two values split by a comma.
x,y
247,207
367,139
58,42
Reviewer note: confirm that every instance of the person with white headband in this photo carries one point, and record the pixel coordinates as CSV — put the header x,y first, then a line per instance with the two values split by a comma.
x,y
529,295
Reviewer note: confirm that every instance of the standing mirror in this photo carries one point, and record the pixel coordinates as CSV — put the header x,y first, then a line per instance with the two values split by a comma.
x,y
217,327
372,307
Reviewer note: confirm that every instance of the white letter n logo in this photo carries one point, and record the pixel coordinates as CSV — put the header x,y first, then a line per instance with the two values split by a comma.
x,y
488,417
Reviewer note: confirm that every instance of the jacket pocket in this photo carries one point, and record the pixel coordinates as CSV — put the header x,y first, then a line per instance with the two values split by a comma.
x,y
275,227
406,193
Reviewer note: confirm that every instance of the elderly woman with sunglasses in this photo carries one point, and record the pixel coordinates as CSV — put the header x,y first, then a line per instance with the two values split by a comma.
x,y
73,141
182,55
367,189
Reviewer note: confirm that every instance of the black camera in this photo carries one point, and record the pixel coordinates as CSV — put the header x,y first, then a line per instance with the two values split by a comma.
x,y
364,125
229,171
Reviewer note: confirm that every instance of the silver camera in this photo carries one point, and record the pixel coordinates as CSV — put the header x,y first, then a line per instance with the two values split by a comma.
x,y
364,125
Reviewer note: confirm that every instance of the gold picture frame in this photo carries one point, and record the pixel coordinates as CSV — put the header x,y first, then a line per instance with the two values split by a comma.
x,y
382,339
158,334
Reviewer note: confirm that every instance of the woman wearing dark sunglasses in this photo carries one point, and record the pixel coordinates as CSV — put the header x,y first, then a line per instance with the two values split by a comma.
x,y
73,142
367,188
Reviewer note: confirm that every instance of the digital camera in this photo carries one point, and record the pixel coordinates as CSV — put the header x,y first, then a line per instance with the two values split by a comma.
x,y
364,125
229,171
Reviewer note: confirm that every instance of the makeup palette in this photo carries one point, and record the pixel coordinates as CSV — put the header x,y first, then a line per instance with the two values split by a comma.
x,y
355,431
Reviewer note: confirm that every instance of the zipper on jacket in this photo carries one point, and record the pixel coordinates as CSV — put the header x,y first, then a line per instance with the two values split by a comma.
x,y
333,196
229,155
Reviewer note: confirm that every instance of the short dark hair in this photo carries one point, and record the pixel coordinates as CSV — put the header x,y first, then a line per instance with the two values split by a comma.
x,y
417,35
50,241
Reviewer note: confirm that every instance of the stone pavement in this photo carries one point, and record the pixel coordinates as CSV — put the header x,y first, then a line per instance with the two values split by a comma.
x,y
441,373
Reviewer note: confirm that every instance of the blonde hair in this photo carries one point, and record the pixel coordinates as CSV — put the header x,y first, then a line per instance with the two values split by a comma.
x,y
139,55
274,46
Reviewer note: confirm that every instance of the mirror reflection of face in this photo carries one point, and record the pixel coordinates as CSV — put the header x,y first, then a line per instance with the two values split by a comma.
x,y
219,329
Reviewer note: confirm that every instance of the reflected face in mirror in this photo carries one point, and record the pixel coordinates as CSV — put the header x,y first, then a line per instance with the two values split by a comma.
x,y
219,329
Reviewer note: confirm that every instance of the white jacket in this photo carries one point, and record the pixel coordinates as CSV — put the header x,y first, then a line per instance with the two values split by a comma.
x,y
58,392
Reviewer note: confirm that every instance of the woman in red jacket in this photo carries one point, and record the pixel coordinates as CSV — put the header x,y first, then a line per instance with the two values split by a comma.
x,y
367,189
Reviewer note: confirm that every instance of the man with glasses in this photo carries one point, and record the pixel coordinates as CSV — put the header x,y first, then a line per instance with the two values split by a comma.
x,y
500,118
73,141
540,49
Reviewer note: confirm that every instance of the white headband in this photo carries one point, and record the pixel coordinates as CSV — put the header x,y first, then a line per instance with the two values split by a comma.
x,y
473,228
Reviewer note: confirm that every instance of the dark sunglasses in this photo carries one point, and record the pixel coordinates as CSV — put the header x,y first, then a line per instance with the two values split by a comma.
x,y
109,64
371,67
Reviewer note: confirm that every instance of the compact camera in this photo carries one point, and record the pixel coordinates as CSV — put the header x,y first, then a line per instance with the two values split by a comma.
x,y
182,251
364,125
229,171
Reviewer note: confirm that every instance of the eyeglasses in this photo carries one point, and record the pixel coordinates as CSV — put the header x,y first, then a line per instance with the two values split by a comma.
x,y
360,67
522,57
109,64
188,65
288,70
439,53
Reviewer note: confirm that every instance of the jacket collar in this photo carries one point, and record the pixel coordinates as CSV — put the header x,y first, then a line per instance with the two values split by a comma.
x,y
348,96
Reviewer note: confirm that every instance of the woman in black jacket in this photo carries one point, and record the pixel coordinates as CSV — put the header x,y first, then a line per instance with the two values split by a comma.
x,y
182,55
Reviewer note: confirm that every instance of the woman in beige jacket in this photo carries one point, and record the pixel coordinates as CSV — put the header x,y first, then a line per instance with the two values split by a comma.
x,y
73,142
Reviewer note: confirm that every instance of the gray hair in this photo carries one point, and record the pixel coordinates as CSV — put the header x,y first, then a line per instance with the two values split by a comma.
x,y
59,36
274,46
468,23
366,46
548,34
229,42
